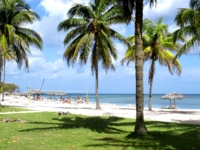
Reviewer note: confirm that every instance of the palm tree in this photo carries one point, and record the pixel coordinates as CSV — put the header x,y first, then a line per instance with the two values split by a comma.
x,y
156,41
128,6
188,19
90,35
14,37
8,56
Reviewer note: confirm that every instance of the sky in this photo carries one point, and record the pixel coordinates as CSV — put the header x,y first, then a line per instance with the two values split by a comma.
x,y
48,65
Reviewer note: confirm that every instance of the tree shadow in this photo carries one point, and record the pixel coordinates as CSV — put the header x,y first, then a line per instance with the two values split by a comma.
x,y
161,135
97,124
188,138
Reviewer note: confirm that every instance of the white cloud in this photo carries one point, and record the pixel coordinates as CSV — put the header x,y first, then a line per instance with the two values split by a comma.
x,y
165,8
59,7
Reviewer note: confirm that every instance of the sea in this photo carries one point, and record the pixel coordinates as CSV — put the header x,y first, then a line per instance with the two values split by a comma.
x,y
190,101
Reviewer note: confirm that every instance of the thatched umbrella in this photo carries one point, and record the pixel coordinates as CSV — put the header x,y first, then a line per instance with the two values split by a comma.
x,y
17,93
7,93
172,96
56,93
35,92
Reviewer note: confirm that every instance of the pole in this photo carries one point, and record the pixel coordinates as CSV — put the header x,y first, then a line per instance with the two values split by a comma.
x,y
29,89
86,100
42,84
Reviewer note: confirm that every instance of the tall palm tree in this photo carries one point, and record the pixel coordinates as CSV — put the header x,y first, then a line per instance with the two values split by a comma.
x,y
188,19
129,6
89,35
157,42
13,36
8,56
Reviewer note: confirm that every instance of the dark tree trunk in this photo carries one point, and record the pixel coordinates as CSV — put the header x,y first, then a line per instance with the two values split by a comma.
x,y
1,69
4,78
151,76
140,127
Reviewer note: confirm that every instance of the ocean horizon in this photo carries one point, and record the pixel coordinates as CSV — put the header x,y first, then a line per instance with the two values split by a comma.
x,y
190,101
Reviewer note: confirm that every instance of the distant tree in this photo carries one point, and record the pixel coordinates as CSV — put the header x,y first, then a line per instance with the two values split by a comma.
x,y
157,44
89,35
10,87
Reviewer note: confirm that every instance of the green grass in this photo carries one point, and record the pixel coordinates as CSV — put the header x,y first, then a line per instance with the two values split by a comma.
x,y
12,109
48,131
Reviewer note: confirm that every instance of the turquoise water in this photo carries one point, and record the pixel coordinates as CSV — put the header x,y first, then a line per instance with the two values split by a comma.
x,y
190,101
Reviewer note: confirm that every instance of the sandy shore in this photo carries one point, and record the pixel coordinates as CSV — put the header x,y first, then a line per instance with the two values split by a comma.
x,y
167,115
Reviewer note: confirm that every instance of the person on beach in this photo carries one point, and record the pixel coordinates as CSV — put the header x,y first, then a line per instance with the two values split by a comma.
x,y
86,101
79,99
69,100
38,97
61,98
173,106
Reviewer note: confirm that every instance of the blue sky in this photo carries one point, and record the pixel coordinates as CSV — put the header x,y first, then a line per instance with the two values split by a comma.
x,y
48,64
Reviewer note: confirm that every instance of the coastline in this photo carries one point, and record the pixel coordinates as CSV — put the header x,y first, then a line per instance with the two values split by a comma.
x,y
185,116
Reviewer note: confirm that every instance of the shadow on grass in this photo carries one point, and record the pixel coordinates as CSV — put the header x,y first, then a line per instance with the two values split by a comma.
x,y
177,137
161,135
97,124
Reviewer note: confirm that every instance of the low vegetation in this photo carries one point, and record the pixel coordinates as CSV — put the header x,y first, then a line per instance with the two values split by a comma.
x,y
9,87
11,109
47,130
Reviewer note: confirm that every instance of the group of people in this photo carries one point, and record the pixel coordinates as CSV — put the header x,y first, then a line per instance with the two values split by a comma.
x,y
37,97
69,100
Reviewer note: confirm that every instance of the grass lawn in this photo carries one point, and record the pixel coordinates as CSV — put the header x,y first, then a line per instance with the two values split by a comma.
x,y
11,109
48,131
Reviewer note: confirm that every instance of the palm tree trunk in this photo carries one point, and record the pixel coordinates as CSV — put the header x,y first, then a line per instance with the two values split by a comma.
x,y
4,78
1,69
96,74
140,127
97,88
150,96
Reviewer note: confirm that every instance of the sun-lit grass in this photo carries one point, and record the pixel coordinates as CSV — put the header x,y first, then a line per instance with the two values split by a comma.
x,y
48,131
11,109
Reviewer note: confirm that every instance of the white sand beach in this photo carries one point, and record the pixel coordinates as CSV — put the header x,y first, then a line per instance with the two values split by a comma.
x,y
166,115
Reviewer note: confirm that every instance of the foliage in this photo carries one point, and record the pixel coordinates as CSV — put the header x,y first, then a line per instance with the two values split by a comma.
x,y
14,38
12,109
47,130
157,46
188,19
89,35
9,87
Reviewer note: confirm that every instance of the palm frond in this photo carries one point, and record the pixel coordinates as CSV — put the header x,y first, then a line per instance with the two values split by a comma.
x,y
72,23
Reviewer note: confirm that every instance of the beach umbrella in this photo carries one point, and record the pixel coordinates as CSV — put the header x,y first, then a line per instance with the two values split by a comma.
x,y
7,93
172,96
56,93
35,92
17,94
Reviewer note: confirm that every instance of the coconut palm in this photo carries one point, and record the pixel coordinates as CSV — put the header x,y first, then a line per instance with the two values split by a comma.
x,y
14,37
157,42
188,19
8,56
89,35
129,6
